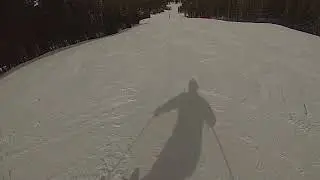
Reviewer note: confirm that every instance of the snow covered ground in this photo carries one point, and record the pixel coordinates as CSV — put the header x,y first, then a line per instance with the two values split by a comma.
x,y
61,115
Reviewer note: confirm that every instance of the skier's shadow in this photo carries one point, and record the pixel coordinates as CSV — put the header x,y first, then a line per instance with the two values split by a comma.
x,y
181,153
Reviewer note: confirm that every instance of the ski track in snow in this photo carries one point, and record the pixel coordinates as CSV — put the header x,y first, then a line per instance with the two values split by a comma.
x,y
61,115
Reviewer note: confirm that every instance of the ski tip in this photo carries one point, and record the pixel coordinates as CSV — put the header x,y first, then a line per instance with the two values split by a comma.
x,y
135,174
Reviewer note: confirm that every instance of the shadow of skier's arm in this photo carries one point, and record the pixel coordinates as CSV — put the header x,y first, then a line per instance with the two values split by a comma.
x,y
209,116
168,106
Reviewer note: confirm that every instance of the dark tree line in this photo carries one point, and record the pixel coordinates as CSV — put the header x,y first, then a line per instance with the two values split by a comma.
x,y
303,15
29,28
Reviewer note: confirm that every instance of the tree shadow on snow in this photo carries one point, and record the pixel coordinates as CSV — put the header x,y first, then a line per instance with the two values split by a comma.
x,y
181,153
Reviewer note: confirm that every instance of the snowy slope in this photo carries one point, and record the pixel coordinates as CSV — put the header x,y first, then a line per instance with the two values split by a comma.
x,y
61,115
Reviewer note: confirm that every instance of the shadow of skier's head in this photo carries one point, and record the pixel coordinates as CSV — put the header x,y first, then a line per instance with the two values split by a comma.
x,y
193,86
